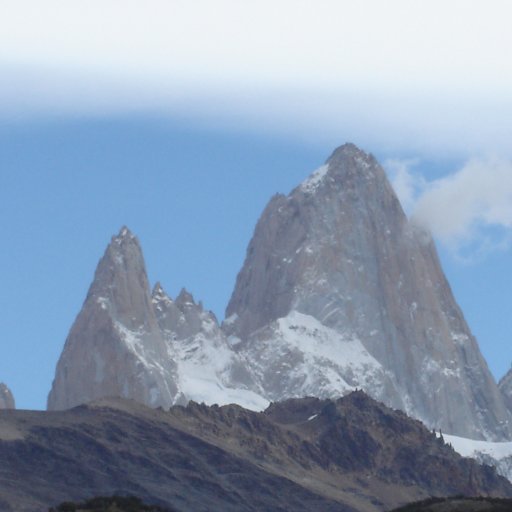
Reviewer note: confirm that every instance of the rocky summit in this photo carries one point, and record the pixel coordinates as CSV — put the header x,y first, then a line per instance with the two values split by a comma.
x,y
338,291
130,342
115,347
6,397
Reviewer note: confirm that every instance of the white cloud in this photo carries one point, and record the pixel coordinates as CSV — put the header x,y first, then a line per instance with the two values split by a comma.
x,y
387,75
367,46
369,43
406,184
470,210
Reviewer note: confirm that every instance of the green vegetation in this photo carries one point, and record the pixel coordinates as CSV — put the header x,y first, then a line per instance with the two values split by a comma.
x,y
109,504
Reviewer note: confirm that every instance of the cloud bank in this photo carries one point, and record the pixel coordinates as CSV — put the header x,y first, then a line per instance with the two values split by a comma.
x,y
368,43
469,211
395,74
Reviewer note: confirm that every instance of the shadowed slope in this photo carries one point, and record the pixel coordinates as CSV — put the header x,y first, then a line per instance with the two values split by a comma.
x,y
301,455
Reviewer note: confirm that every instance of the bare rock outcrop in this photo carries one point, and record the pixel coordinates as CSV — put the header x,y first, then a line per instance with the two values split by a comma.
x,y
6,397
115,346
505,386
130,343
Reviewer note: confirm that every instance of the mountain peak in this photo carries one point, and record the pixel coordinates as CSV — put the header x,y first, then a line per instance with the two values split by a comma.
x,y
158,292
185,297
122,268
160,299
346,165
348,160
6,397
340,251
115,342
347,150
124,239
125,233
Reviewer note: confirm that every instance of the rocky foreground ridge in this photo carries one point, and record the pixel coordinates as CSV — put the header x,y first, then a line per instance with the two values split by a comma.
x,y
301,454
338,291
459,504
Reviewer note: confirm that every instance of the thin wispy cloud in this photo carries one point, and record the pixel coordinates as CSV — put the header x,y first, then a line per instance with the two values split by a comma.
x,y
469,211
407,184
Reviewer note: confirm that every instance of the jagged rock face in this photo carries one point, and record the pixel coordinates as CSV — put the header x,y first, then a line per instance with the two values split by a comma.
x,y
505,386
339,249
208,370
115,347
127,342
6,397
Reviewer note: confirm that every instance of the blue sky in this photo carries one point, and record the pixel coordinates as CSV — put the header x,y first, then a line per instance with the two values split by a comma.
x,y
181,121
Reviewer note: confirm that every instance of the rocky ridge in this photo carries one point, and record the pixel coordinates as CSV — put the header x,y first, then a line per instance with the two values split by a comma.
x,y
351,454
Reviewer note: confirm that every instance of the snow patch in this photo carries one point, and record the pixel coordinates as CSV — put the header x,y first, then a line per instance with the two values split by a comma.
x,y
310,336
230,320
299,356
103,302
313,182
460,338
473,448
363,163
204,365
134,343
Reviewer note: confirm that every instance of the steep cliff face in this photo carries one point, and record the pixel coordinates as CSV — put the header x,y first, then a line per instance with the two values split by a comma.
x,y
6,397
505,386
115,347
128,342
340,250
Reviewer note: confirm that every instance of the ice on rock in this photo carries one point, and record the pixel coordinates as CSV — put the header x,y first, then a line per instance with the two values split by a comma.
x,y
313,182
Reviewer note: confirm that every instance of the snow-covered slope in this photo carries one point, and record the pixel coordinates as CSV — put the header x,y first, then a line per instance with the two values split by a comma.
x,y
494,454
208,370
298,356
